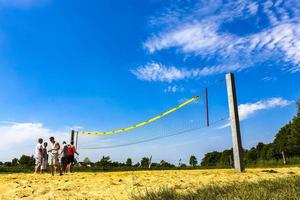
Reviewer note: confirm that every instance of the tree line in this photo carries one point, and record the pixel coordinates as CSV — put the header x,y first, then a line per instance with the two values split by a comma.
x,y
145,163
104,164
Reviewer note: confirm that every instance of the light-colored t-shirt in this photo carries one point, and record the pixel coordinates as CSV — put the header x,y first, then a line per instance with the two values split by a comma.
x,y
37,150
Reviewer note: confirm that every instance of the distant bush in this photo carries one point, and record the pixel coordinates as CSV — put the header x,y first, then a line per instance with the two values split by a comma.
x,y
26,161
15,169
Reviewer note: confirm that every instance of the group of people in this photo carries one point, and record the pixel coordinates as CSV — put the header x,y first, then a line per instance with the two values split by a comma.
x,y
61,158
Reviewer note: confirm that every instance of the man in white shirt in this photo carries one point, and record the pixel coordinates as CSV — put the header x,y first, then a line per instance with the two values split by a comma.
x,y
38,155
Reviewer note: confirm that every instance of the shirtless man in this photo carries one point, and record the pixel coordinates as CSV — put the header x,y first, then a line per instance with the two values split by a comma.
x,y
54,148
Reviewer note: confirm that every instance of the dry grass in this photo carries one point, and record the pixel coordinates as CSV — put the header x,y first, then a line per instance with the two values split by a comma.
x,y
277,189
124,185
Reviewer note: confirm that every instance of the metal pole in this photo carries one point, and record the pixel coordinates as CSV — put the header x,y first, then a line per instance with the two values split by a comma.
x,y
76,139
72,136
207,112
235,123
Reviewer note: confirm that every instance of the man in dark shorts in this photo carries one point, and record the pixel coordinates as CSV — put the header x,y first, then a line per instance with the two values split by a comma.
x,y
71,152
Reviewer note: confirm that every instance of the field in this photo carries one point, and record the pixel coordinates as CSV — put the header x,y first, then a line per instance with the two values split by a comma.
x,y
124,185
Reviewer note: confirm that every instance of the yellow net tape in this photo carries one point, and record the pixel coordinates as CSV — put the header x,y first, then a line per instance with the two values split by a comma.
x,y
142,123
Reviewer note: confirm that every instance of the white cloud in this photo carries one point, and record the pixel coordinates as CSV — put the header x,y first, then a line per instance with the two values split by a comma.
x,y
14,134
159,72
174,89
282,38
198,30
20,138
248,109
190,38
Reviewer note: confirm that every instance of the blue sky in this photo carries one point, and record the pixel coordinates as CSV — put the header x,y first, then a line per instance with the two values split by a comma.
x,y
102,65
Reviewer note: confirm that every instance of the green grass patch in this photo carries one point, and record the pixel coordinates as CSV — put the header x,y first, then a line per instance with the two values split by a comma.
x,y
278,189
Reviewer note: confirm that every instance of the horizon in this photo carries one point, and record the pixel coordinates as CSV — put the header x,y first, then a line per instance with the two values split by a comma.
x,y
101,66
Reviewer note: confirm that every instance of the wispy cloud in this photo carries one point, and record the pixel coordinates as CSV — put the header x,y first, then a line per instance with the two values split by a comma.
x,y
174,89
269,78
158,72
248,109
200,30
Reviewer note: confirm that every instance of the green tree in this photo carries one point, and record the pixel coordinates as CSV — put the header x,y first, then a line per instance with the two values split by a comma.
x,y
15,162
182,165
211,159
26,160
129,162
165,164
252,155
193,161
104,162
283,141
145,162
117,164
86,161
226,158
272,153
288,137
295,132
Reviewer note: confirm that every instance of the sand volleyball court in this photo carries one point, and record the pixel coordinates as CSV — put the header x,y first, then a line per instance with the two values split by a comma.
x,y
121,185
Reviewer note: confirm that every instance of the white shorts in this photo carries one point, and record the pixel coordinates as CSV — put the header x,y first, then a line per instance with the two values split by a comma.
x,y
38,160
54,159
44,164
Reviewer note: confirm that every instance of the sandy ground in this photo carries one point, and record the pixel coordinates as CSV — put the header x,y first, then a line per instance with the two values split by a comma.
x,y
121,185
